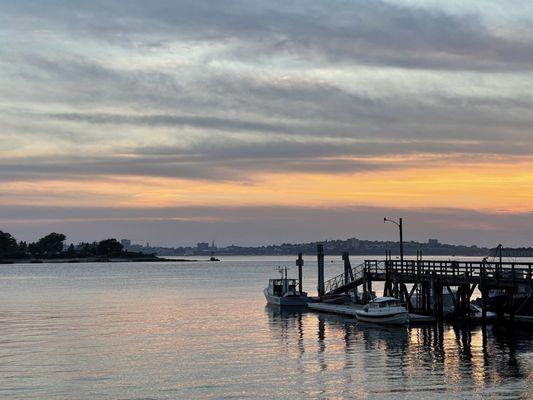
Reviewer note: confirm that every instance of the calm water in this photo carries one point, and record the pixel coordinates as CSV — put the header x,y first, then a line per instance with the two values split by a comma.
x,y
202,331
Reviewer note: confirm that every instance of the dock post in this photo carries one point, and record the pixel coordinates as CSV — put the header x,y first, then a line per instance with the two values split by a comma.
x,y
421,304
510,303
365,286
348,274
436,289
428,298
484,299
300,264
320,259
439,301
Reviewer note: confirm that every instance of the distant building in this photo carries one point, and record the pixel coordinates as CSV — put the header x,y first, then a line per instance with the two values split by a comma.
x,y
126,243
202,246
433,243
355,243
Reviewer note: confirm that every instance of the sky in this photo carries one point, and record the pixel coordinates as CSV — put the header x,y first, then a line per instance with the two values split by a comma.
x,y
253,122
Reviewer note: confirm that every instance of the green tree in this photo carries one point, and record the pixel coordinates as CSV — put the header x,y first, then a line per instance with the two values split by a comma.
x,y
87,249
8,245
35,250
48,246
71,251
110,247
22,249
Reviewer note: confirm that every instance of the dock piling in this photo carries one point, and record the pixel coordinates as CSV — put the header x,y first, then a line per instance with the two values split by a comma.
x,y
300,264
320,259
348,273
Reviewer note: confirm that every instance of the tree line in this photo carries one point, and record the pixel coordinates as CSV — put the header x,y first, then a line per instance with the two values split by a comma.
x,y
53,246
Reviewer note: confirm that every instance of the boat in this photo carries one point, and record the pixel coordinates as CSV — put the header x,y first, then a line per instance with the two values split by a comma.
x,y
284,292
520,303
476,313
383,310
213,258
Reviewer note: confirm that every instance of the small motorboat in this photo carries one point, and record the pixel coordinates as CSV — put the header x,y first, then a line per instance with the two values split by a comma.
x,y
383,310
284,292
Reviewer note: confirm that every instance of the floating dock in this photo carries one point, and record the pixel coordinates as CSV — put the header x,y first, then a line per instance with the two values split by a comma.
x,y
343,309
349,310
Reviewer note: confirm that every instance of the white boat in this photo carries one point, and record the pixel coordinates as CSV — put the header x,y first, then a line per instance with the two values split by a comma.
x,y
383,310
284,292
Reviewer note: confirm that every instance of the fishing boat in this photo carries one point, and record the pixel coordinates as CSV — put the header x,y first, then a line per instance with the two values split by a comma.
x,y
284,292
383,310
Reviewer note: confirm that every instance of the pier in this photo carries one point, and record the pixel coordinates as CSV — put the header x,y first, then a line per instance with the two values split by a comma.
x,y
420,283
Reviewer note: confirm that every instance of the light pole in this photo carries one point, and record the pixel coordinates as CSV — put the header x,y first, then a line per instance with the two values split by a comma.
x,y
400,226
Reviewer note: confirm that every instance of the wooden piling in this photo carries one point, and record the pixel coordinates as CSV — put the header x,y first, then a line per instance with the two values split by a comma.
x,y
484,300
320,259
300,264
348,274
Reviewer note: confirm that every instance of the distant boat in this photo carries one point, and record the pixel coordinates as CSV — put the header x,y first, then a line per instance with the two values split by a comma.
x,y
283,292
383,310
213,258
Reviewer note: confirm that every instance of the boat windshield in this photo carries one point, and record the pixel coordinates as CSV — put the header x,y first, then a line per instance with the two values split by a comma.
x,y
381,303
282,286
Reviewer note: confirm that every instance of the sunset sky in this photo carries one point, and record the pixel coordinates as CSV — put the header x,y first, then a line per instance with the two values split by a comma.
x,y
253,122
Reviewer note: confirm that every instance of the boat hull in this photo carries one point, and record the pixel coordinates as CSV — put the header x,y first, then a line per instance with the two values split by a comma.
x,y
292,301
388,319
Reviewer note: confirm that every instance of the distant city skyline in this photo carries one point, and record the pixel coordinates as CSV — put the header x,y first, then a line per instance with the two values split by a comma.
x,y
259,121
279,225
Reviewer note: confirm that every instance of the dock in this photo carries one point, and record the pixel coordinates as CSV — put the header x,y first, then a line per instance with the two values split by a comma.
x,y
427,280
349,310
342,309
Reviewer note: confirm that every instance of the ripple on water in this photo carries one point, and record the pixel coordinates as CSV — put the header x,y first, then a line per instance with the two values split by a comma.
x,y
132,331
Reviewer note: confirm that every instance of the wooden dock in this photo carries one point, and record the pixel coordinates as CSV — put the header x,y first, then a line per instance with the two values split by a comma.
x,y
349,310
342,309
427,279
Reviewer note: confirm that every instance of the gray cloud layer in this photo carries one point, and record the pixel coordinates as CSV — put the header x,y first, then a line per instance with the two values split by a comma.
x,y
374,33
221,90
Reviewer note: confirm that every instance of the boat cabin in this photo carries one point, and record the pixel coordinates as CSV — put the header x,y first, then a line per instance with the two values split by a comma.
x,y
384,302
280,287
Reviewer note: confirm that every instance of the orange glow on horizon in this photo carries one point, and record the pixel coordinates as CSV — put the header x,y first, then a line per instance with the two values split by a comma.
x,y
490,187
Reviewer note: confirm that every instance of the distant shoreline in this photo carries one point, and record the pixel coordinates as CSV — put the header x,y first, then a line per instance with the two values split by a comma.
x,y
93,260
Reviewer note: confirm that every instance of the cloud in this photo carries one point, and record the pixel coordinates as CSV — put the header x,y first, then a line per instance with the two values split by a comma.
x,y
211,123
241,160
231,90
356,32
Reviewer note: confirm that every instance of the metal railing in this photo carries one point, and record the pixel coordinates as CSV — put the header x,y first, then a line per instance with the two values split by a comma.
x,y
344,279
517,272
452,271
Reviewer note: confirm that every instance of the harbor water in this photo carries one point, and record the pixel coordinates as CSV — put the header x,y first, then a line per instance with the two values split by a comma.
x,y
202,331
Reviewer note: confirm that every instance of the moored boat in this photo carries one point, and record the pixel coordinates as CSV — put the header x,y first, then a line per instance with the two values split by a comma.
x,y
384,310
476,313
284,292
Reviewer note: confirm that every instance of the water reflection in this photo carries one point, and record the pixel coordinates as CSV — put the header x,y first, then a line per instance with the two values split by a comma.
x,y
376,360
